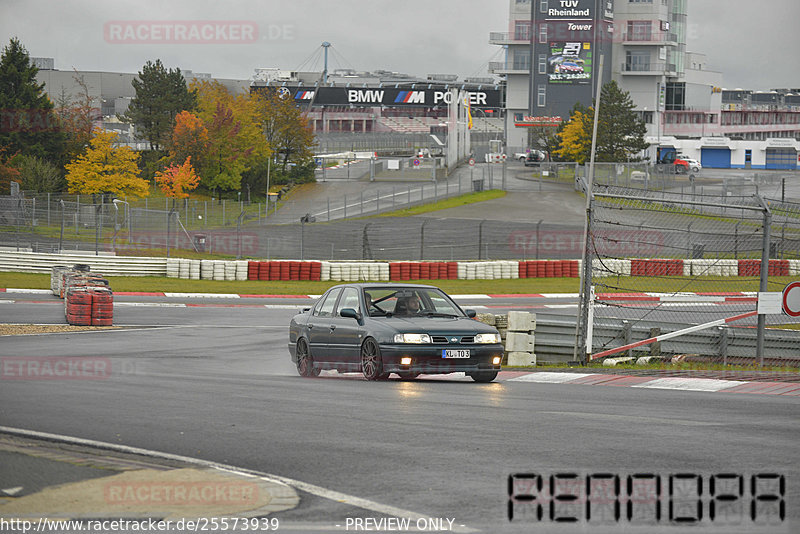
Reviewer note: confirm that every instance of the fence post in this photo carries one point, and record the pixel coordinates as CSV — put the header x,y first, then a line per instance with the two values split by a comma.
x,y
329,209
764,285
422,240
537,237
626,336
723,344
48,209
655,348
480,238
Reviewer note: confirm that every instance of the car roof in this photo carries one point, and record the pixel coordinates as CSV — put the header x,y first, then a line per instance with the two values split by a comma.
x,y
387,285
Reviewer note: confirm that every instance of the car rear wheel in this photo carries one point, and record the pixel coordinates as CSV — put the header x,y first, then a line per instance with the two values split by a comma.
x,y
305,363
483,376
371,361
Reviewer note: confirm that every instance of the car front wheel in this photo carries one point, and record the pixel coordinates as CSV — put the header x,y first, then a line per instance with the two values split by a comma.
x,y
371,361
483,376
305,363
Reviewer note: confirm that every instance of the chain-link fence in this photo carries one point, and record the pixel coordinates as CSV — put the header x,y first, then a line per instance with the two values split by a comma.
x,y
323,226
672,260
53,222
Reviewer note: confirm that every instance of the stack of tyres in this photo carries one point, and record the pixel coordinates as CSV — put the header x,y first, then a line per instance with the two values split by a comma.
x,y
102,306
78,306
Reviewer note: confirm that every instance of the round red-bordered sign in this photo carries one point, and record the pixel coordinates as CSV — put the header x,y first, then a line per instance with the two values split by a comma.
x,y
791,299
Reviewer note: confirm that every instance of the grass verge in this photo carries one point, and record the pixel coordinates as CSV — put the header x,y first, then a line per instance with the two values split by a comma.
x,y
493,287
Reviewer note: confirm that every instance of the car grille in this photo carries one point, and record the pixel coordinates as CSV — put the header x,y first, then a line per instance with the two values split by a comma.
x,y
448,339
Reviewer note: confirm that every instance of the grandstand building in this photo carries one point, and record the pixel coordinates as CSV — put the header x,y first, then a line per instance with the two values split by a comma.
x,y
384,102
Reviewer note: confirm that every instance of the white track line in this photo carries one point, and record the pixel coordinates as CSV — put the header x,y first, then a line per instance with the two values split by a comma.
x,y
549,378
690,384
319,491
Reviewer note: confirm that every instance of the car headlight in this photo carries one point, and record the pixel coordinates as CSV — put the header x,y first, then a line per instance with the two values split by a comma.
x,y
412,338
487,338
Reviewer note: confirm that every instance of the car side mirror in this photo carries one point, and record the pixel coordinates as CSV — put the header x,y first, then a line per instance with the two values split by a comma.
x,y
351,313
471,313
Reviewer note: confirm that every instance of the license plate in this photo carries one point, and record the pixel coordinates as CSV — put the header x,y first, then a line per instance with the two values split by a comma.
x,y
455,353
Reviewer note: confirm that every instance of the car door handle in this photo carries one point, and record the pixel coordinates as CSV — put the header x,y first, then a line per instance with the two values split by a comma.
x,y
310,326
333,327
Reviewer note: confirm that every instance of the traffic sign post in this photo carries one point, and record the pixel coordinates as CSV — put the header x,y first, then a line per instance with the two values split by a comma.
x,y
791,299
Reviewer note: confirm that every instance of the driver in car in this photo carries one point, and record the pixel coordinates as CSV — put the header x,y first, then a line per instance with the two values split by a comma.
x,y
413,306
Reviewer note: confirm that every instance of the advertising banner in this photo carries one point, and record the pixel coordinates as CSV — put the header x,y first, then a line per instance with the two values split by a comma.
x,y
570,63
383,96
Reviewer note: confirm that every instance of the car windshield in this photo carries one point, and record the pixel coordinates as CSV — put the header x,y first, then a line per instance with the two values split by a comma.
x,y
390,302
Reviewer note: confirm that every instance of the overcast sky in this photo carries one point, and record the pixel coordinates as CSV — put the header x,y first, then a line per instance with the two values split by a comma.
x,y
754,43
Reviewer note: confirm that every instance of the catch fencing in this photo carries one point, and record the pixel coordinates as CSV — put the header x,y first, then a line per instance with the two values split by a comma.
x,y
704,253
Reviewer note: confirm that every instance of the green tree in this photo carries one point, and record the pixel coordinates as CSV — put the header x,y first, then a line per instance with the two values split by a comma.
x,y
235,141
287,130
27,123
620,133
40,175
160,95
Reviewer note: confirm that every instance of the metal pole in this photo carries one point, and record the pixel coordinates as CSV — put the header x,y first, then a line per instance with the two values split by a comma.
x,y
302,232
116,225
61,237
762,319
586,273
97,212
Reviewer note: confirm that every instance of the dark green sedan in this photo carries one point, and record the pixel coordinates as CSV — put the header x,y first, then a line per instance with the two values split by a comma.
x,y
379,329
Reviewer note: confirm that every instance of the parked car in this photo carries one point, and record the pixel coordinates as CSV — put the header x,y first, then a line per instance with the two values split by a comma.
x,y
375,329
534,157
691,163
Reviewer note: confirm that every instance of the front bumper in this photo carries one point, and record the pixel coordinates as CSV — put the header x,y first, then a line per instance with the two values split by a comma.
x,y
427,359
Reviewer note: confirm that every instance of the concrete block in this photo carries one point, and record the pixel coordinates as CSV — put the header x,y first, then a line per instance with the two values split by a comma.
x,y
517,341
521,359
519,321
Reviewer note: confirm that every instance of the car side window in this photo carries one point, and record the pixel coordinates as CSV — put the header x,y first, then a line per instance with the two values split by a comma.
x,y
349,300
326,308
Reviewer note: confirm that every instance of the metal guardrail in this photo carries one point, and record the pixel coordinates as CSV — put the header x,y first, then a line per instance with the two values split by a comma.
x,y
555,339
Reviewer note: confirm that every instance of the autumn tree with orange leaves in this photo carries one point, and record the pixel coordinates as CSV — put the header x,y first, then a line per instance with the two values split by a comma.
x,y
189,140
176,180
235,140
